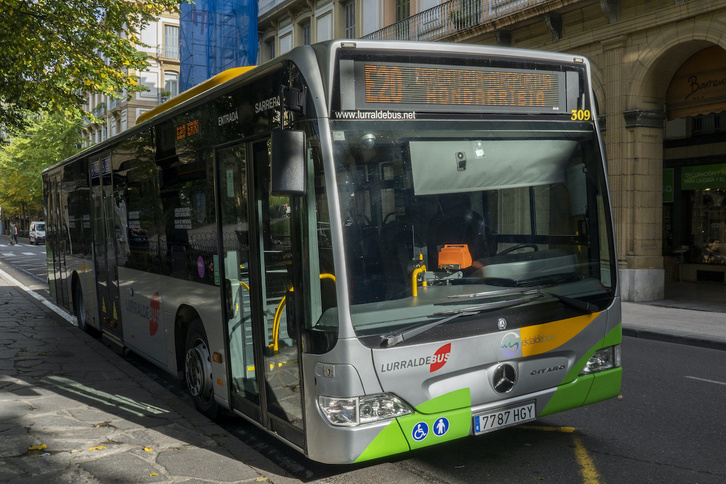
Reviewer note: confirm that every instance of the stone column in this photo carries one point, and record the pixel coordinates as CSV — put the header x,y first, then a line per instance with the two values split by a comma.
x,y
619,175
634,148
643,275
644,256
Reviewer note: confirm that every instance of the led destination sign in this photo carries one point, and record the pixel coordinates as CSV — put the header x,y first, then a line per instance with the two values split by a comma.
x,y
427,86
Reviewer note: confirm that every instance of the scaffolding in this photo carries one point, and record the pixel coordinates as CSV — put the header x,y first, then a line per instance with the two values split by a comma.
x,y
215,35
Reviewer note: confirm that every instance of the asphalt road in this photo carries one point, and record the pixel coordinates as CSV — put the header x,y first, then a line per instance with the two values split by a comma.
x,y
667,426
27,258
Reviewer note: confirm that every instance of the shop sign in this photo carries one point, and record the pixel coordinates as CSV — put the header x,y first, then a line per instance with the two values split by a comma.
x,y
699,86
702,177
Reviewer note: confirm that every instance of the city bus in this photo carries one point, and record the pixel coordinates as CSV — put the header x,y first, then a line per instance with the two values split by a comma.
x,y
361,247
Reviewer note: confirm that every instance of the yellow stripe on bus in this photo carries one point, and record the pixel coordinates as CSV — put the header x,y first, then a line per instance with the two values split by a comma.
x,y
220,78
542,338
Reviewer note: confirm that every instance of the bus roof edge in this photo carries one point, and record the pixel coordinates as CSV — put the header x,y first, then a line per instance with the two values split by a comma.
x,y
220,78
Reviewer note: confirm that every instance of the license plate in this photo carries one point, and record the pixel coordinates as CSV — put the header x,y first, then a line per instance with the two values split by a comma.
x,y
507,417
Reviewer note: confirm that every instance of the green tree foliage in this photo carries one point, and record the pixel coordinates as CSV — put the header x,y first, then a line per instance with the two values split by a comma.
x,y
46,141
54,50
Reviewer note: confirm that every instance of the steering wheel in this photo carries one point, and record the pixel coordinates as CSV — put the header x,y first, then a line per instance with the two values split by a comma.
x,y
517,247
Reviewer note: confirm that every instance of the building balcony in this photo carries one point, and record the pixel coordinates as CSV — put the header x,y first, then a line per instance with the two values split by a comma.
x,y
266,6
449,18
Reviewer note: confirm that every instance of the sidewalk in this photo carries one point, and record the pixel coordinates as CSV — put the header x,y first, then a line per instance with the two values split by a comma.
x,y
691,313
71,410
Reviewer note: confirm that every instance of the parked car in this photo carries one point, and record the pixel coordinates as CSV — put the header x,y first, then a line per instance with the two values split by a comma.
x,y
37,232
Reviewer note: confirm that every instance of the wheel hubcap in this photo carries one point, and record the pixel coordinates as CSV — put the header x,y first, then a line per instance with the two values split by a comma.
x,y
198,370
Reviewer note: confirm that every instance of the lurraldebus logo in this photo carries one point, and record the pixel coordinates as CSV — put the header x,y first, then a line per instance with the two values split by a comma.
x,y
440,357
151,313
155,307
511,345
435,361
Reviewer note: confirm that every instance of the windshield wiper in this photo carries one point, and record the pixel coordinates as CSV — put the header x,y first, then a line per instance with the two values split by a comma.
x,y
575,303
495,293
529,295
394,339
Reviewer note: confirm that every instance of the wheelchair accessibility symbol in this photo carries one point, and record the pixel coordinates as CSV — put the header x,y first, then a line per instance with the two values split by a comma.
x,y
420,431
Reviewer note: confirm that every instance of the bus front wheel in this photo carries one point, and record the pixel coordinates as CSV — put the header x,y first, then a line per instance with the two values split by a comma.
x,y
198,370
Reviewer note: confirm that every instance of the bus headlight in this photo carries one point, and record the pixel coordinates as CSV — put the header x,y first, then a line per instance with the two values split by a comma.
x,y
603,359
353,411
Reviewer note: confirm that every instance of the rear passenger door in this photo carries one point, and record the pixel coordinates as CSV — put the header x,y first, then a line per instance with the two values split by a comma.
x,y
107,235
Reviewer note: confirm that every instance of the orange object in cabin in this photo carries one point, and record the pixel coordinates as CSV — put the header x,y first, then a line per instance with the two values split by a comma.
x,y
454,256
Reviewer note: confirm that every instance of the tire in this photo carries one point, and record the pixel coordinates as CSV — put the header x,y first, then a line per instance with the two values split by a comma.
x,y
79,307
198,370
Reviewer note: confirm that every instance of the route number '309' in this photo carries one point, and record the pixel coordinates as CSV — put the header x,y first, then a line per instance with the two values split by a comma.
x,y
580,115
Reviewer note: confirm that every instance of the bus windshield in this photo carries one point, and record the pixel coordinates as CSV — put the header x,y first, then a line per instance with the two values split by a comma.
x,y
437,215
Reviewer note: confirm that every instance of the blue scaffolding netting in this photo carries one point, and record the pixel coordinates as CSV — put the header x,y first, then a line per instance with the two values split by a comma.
x,y
215,35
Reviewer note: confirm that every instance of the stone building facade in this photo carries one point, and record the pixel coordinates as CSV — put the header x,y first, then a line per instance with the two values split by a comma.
x,y
118,113
652,123
659,77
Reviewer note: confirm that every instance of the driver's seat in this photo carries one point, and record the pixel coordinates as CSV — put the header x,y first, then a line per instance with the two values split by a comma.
x,y
457,223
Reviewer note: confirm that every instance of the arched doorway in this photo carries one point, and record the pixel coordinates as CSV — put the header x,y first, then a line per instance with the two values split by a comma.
x,y
694,170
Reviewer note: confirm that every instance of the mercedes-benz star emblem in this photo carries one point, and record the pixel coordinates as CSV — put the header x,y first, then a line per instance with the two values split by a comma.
x,y
504,378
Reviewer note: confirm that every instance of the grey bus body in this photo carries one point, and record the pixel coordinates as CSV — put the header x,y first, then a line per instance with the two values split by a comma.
x,y
361,247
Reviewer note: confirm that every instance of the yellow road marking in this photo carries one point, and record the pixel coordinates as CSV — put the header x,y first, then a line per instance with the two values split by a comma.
x,y
587,465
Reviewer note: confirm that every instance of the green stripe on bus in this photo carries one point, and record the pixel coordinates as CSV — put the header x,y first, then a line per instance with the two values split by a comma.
x,y
570,395
388,442
575,390
459,425
606,385
396,437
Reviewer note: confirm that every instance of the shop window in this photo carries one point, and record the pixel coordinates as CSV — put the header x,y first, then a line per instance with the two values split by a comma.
x,y
709,226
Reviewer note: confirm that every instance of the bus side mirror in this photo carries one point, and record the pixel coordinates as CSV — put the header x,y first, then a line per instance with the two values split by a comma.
x,y
288,164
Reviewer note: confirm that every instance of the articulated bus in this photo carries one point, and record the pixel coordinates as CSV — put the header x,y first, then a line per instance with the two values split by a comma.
x,y
361,247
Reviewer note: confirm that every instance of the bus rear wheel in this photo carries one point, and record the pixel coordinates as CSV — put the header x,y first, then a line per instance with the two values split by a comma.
x,y
198,370
79,307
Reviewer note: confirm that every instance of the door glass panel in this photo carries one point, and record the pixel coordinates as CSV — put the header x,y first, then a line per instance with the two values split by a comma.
x,y
99,241
59,248
233,197
282,373
116,216
110,240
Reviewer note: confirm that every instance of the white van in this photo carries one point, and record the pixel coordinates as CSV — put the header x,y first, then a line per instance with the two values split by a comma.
x,y
37,232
